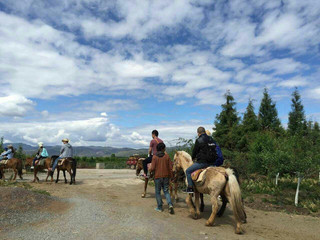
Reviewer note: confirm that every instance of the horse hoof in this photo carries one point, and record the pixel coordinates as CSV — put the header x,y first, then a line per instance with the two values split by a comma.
x,y
195,216
143,195
238,231
209,224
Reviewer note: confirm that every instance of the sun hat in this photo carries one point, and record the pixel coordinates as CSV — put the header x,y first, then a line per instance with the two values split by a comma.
x,y
40,144
65,140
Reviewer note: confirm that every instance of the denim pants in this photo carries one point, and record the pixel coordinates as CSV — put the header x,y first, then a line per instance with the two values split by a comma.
x,y
145,164
55,164
193,168
162,183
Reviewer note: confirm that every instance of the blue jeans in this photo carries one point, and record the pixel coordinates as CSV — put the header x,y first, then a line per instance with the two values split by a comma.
x,y
162,183
193,168
55,164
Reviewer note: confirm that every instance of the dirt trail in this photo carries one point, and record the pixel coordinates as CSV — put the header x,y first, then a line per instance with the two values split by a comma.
x,y
107,205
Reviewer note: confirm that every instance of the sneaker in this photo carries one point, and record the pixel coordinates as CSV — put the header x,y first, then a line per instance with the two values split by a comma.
x,y
32,167
189,190
171,211
158,209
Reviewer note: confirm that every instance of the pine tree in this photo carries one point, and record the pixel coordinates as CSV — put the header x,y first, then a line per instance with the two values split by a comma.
x,y
297,119
268,115
250,119
226,122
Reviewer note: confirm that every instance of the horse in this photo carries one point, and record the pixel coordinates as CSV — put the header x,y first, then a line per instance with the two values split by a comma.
x,y
69,165
218,181
37,168
173,186
15,164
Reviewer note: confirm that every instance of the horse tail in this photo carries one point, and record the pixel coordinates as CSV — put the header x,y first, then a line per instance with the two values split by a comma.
x,y
74,168
19,167
235,200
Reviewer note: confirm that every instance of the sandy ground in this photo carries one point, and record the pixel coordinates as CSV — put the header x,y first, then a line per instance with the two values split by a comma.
x,y
106,204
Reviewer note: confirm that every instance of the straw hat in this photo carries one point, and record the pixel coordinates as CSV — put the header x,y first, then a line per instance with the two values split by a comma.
x,y
208,132
40,144
65,140
9,146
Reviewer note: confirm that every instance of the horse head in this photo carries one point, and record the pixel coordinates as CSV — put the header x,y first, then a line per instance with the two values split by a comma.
x,y
139,166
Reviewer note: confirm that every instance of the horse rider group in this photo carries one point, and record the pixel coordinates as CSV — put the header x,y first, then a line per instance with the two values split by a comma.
x,y
205,153
66,151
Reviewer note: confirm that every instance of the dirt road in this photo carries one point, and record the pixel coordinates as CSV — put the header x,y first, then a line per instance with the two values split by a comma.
x,y
106,204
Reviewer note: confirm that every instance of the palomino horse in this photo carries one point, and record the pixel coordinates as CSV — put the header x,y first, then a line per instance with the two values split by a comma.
x,y
38,167
15,164
218,181
69,165
173,187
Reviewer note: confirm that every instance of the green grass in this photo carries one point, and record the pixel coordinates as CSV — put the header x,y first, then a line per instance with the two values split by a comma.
x,y
284,193
26,186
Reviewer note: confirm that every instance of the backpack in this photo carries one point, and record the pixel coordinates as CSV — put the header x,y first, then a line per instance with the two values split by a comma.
x,y
219,160
211,152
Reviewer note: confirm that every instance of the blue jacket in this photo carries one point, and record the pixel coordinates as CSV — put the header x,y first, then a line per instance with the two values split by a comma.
x,y
44,153
8,154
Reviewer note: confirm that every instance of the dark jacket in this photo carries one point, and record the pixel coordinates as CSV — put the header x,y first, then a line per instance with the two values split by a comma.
x,y
201,150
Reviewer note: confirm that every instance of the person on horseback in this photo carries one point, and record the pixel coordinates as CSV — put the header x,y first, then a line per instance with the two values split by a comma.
x,y
41,153
152,151
7,154
203,155
65,152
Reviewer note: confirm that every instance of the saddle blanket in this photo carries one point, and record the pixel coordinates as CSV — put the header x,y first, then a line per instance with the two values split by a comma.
x,y
3,162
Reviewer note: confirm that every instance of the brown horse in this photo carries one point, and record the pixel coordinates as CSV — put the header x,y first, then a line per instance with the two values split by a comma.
x,y
15,164
69,165
37,168
218,181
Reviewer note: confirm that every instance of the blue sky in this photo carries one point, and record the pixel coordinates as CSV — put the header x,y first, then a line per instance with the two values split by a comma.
x,y
109,72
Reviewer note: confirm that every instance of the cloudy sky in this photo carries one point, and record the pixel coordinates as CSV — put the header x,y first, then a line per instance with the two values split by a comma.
x,y
108,72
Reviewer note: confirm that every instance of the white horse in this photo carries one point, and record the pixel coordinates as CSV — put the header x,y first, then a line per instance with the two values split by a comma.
x,y
218,181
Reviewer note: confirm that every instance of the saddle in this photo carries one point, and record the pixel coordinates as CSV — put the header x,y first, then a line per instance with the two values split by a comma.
x,y
61,161
199,176
4,162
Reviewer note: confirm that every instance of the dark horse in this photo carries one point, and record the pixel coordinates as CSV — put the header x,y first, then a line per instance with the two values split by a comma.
x,y
69,165
15,164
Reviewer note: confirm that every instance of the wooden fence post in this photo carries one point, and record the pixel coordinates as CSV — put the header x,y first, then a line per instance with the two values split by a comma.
x,y
296,200
277,178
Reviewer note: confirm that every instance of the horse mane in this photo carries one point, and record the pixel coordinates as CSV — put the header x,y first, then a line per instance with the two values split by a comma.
x,y
185,155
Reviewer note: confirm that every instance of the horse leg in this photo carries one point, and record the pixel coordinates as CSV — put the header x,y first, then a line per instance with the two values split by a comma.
x,y
197,196
223,206
64,175
202,203
191,206
69,171
58,171
146,180
214,202
176,198
15,174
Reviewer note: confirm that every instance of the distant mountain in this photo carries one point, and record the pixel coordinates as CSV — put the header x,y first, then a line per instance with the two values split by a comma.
x,y
89,151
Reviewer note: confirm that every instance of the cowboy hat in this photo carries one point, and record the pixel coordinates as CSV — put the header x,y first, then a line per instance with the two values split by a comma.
x,y
65,140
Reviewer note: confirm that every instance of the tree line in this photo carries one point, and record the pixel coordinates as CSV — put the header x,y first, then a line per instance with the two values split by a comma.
x,y
258,143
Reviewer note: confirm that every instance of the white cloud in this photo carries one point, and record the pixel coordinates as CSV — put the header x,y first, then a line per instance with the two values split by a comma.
x,y
15,106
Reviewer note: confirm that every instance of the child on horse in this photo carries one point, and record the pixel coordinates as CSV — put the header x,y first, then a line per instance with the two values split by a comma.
x,y
7,154
162,166
42,153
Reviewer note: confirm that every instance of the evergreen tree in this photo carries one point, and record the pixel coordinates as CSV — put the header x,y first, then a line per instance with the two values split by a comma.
x,y
20,154
1,144
226,122
268,115
297,120
250,119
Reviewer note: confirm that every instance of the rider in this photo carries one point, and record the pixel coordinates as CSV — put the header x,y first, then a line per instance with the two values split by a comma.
x,y
7,154
41,153
203,155
65,152
152,151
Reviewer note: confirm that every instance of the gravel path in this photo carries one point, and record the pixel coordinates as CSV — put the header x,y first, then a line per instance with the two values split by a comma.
x,y
106,204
